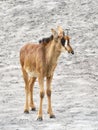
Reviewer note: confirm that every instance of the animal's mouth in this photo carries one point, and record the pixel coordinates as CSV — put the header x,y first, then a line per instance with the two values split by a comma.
x,y
72,52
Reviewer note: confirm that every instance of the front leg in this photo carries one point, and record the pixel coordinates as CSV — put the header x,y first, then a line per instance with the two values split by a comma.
x,y
48,91
42,93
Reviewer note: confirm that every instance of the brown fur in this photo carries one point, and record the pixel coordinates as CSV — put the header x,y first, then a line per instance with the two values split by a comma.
x,y
39,61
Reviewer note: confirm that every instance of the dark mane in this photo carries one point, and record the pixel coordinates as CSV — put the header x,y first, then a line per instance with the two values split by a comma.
x,y
46,40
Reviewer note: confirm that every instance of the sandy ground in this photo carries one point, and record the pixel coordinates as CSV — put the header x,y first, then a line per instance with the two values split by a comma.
x,y
75,83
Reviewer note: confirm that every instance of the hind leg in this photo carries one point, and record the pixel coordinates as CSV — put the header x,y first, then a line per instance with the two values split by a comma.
x,y
31,86
26,106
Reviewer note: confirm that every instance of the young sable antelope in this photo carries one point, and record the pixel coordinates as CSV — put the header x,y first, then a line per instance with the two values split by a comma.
x,y
39,61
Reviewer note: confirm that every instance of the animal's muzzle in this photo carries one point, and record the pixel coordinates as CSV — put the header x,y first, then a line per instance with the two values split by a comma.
x,y
72,52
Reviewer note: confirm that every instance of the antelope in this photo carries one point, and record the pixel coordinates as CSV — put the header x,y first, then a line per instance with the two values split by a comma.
x,y
39,61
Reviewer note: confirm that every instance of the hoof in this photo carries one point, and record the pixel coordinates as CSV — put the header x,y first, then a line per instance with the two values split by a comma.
x,y
26,112
52,116
39,119
33,109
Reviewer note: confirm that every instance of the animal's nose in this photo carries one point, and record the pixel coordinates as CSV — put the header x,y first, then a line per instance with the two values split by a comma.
x,y
72,52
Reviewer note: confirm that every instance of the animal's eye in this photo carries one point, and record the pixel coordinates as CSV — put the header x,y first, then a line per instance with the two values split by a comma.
x,y
63,41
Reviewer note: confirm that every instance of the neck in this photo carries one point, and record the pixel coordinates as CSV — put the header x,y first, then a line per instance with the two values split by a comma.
x,y
52,53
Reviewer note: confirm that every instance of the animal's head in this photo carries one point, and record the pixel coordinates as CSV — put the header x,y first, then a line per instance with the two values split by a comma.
x,y
63,42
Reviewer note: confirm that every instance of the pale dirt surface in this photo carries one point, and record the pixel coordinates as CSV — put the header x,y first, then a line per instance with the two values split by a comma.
x,y
75,83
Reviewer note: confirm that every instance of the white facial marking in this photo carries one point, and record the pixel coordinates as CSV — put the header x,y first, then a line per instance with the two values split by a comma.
x,y
66,43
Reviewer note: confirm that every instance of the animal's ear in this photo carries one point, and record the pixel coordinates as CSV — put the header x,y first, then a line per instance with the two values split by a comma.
x,y
59,28
60,31
54,33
